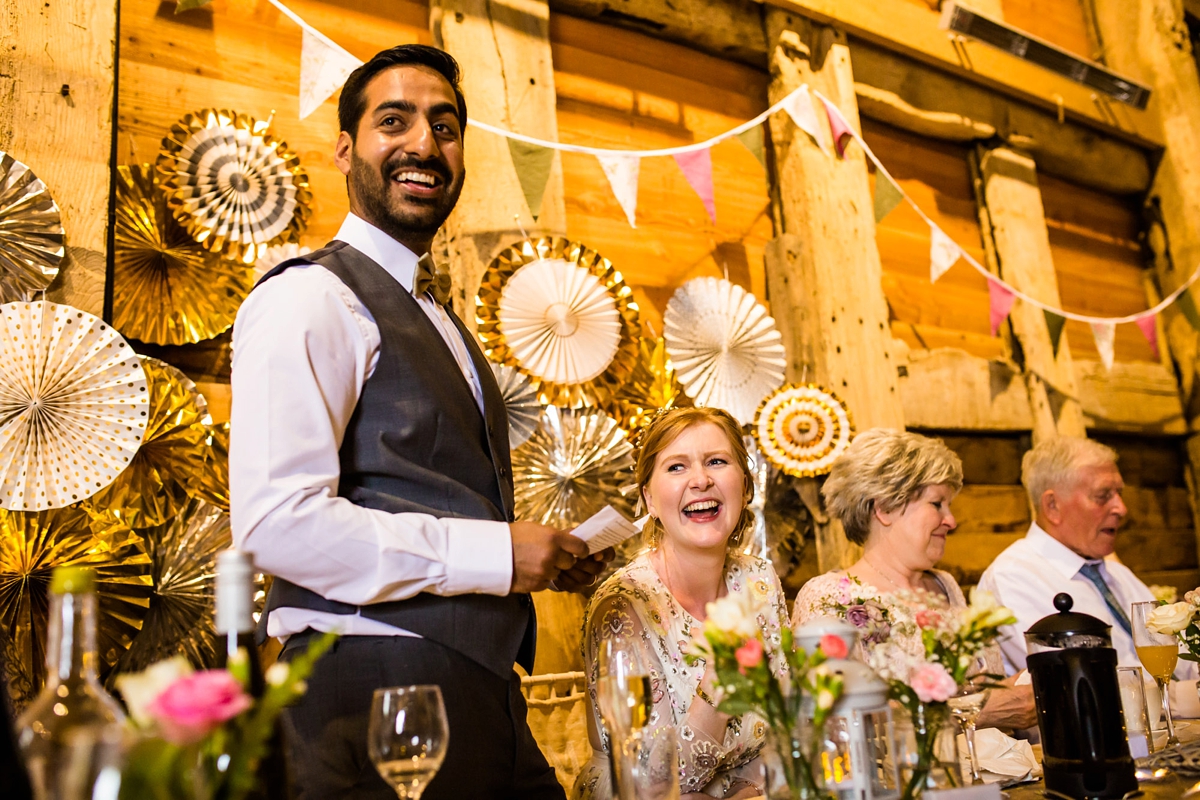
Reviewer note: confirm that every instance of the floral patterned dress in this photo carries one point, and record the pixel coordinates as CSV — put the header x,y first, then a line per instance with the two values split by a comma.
x,y
634,605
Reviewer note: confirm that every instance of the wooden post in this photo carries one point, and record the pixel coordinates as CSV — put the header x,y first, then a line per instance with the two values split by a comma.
x,y
508,79
56,110
1148,41
823,271
1011,209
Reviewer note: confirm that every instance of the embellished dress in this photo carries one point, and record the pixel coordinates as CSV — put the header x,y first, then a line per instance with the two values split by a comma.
x,y
718,754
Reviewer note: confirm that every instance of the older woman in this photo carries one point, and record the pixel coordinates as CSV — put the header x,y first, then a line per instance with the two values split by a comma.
x,y
891,490
692,472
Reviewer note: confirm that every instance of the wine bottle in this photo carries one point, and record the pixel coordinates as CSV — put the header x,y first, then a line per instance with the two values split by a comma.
x,y
72,707
234,625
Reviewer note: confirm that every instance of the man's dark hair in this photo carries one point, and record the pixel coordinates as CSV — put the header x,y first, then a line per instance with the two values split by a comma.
x,y
352,103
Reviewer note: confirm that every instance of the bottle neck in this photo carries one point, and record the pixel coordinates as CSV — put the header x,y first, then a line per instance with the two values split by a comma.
x,y
71,639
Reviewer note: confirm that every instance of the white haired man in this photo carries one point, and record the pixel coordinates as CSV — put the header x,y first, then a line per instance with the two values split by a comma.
x,y
1075,489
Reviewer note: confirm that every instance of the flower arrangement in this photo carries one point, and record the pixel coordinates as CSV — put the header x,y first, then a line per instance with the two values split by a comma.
x,y
1180,620
202,734
784,687
863,608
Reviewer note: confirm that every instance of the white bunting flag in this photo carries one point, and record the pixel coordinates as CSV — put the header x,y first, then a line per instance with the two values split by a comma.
x,y
943,253
622,173
324,67
1103,333
800,108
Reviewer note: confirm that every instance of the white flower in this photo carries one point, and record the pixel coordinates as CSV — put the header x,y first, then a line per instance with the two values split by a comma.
x,y
734,613
277,674
1172,619
140,689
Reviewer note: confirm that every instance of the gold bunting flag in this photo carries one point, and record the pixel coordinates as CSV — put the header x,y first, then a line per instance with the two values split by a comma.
x,y
533,164
1054,324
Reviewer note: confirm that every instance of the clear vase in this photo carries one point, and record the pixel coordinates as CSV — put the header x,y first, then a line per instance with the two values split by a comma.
x,y
928,749
789,775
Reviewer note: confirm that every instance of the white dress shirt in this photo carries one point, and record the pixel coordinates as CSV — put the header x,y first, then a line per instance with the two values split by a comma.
x,y
1027,575
303,347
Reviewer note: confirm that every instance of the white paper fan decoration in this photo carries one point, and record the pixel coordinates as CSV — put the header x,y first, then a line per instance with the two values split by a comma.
x,y
73,405
561,324
521,402
803,429
724,345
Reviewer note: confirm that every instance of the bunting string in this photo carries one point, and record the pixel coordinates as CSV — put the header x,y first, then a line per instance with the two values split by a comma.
x,y
621,169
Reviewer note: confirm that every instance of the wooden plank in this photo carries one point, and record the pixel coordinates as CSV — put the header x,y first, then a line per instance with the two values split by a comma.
x,y
983,508
915,336
1151,549
1061,22
969,554
1164,507
994,460
912,29
1155,462
56,98
1184,580
949,389
1133,396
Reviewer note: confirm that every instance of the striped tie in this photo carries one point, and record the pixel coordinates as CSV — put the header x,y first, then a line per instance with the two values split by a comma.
x,y
1091,571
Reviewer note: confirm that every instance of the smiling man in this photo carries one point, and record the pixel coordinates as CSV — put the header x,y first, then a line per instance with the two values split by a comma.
x,y
1075,489
369,464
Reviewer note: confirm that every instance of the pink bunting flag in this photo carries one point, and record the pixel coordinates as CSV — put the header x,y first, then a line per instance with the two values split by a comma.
x,y
697,168
1104,333
799,106
1149,328
1000,302
838,125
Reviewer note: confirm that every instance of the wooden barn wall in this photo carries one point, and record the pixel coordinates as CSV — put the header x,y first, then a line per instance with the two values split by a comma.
x,y
1061,22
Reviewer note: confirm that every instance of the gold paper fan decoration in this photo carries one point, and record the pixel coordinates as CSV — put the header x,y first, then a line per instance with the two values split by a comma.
x,y
31,234
183,555
155,486
576,462
235,187
560,313
167,289
802,429
211,484
652,386
32,544
72,405
521,403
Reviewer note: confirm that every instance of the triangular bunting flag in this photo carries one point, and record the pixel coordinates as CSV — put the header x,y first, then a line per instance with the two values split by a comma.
x,y
1148,325
753,139
697,168
1000,302
799,107
324,67
1188,306
533,163
887,195
838,125
1103,333
943,252
1054,325
622,173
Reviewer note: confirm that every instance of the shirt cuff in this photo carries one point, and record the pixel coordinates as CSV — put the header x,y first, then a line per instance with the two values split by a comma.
x,y
479,557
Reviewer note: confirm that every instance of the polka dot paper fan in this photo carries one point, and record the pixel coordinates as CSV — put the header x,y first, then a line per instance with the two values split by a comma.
x,y
73,405
802,429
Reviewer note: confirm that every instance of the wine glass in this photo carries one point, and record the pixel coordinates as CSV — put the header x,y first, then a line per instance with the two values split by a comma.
x,y
407,737
623,688
965,706
1158,653
649,765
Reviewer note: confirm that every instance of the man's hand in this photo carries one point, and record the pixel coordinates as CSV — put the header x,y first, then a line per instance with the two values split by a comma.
x,y
584,573
541,554
1011,707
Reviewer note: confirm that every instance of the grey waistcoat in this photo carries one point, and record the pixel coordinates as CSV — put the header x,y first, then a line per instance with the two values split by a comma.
x,y
417,442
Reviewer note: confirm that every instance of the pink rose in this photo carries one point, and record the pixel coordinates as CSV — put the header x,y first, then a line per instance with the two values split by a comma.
x,y
749,655
833,646
927,618
932,683
193,705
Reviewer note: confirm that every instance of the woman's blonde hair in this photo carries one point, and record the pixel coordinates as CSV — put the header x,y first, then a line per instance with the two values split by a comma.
x,y
665,429
886,469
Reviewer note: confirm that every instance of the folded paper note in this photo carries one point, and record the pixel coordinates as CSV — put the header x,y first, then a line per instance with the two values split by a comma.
x,y
607,528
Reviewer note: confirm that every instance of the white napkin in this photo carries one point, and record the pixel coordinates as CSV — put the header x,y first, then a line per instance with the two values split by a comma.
x,y
1001,757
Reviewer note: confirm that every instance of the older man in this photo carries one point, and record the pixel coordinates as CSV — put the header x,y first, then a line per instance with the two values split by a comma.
x,y
1075,489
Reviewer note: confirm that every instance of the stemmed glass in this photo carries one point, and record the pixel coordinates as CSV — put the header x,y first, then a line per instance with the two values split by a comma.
x,y
407,737
1158,653
623,688
965,706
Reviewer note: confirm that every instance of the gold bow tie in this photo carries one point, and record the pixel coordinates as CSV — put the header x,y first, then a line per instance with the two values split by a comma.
x,y
433,279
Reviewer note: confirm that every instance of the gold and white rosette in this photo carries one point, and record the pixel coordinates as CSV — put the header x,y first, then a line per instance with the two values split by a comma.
x,y
802,429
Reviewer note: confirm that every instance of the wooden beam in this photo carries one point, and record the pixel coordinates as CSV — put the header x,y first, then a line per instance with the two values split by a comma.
x,y
1134,396
504,50
949,389
823,273
56,103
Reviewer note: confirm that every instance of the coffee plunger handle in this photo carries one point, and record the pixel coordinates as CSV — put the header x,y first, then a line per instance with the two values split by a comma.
x,y
1063,602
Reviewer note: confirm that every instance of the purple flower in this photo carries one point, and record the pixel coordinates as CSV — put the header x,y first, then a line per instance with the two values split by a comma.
x,y
858,616
874,611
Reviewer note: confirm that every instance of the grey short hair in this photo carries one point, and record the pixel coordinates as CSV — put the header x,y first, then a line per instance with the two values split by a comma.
x,y
886,469
1054,462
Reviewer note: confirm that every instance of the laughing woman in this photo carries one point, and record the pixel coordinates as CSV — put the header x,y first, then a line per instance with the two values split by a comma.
x,y
693,475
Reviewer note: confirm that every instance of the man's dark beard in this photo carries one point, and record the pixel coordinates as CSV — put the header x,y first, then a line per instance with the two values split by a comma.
x,y
371,187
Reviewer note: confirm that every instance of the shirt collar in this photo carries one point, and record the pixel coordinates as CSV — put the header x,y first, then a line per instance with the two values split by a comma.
x,y
395,258
1055,553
